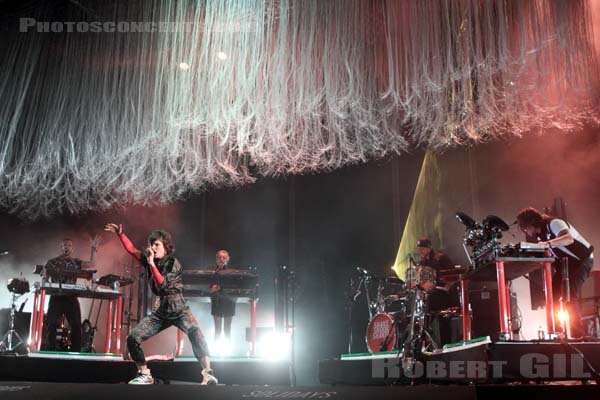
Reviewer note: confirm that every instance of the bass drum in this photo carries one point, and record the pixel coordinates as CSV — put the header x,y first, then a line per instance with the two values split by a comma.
x,y
381,335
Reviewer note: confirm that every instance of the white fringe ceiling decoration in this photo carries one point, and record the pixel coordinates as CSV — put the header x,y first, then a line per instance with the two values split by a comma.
x,y
265,87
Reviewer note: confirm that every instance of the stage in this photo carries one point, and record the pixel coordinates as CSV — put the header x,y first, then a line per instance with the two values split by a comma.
x,y
65,391
49,375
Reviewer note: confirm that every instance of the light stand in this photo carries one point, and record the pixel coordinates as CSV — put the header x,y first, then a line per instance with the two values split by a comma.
x,y
285,318
292,325
565,300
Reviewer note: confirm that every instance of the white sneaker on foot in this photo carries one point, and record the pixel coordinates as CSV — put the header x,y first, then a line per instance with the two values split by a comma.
x,y
208,377
142,379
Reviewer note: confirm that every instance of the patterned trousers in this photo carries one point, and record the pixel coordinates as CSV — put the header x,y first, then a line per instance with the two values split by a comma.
x,y
155,323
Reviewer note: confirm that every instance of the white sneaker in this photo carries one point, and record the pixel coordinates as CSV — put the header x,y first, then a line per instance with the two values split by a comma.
x,y
142,379
208,378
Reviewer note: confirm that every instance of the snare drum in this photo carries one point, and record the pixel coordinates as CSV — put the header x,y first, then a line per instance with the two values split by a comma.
x,y
421,275
396,304
392,285
381,335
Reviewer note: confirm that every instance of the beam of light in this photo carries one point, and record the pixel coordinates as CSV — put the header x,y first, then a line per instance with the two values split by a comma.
x,y
222,347
275,346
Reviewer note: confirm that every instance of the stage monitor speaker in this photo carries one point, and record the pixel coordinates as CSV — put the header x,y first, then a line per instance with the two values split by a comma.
x,y
486,315
485,318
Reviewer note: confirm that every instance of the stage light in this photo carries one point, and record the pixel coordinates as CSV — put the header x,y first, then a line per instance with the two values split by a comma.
x,y
184,66
222,56
222,348
563,316
275,346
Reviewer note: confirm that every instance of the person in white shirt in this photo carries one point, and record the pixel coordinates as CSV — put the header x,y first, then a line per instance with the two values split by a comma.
x,y
563,241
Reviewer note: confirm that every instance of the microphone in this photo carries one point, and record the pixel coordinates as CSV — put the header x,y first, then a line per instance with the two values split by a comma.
x,y
362,271
412,260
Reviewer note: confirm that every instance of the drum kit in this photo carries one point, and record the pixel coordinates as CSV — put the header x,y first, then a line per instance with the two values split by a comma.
x,y
402,313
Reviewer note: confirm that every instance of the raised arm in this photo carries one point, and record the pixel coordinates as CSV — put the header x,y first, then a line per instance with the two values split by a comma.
x,y
94,243
118,229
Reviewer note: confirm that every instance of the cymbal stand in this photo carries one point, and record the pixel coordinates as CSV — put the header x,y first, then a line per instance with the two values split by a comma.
x,y
418,338
6,344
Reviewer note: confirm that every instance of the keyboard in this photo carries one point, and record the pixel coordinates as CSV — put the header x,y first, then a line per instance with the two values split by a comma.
x,y
77,290
235,283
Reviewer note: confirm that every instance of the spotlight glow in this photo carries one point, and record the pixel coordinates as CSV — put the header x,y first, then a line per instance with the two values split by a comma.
x,y
222,348
563,316
184,66
275,346
222,56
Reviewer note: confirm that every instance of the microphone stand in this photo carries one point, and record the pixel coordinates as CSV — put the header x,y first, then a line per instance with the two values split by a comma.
x,y
352,299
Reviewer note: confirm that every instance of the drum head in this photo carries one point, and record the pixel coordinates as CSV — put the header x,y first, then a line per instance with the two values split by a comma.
x,y
396,304
419,274
392,285
380,333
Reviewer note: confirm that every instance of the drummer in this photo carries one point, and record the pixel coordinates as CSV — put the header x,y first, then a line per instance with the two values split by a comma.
x,y
439,298
430,258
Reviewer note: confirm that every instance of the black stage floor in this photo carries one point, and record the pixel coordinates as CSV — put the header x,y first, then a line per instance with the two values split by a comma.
x,y
67,391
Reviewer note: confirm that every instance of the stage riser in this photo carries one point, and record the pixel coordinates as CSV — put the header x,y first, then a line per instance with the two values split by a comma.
x,y
485,363
255,372
228,373
537,361
509,362
14,368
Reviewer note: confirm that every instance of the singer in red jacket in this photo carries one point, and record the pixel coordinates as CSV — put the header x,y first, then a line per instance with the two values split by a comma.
x,y
164,274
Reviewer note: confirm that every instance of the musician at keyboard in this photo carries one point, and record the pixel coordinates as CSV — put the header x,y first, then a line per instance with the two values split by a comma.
x,y
222,306
563,241
63,304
